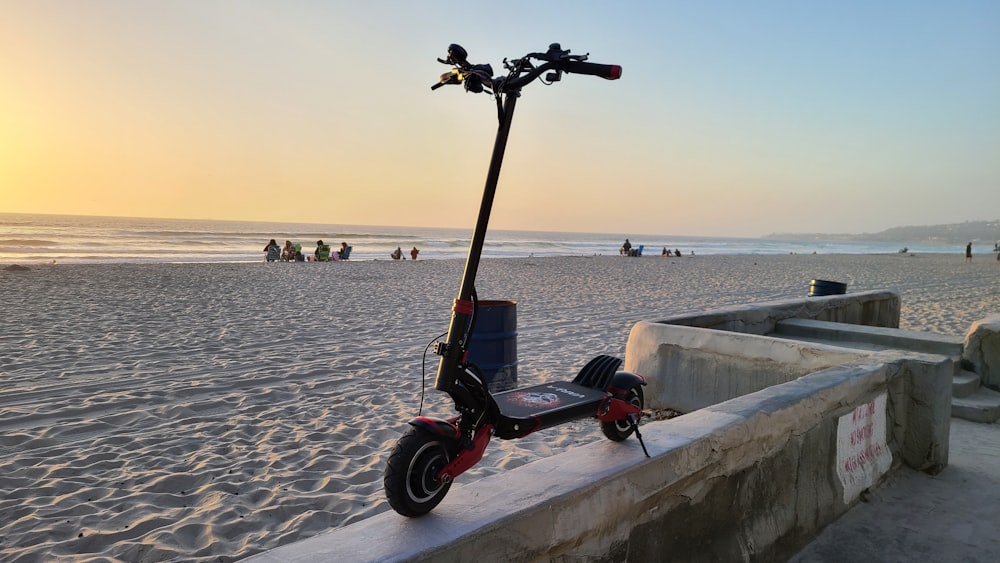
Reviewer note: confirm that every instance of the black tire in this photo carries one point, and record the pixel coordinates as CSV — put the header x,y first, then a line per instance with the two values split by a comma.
x,y
410,479
618,430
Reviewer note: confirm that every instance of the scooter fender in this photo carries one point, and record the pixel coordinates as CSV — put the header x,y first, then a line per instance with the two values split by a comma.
x,y
623,381
467,458
443,428
613,409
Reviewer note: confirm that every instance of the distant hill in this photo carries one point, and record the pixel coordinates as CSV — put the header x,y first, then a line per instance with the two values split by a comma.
x,y
955,233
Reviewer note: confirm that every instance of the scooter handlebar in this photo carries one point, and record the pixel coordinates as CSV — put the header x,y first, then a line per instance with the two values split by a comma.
x,y
477,78
608,72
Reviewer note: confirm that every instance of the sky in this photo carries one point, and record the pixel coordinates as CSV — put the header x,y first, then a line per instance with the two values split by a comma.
x,y
731,118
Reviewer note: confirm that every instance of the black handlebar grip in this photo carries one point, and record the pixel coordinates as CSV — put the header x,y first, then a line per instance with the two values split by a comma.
x,y
609,72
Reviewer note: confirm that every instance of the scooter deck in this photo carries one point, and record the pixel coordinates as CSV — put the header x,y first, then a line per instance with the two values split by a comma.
x,y
532,408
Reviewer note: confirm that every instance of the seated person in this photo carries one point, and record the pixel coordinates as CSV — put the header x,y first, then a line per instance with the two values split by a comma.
x,y
626,248
273,251
288,252
343,253
322,253
397,254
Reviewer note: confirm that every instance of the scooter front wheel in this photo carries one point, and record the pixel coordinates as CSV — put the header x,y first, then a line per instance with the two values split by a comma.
x,y
411,482
618,430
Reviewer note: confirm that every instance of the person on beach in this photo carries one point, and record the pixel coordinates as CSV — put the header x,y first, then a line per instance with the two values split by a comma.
x,y
273,251
288,252
624,251
413,253
665,252
397,254
343,252
968,252
322,252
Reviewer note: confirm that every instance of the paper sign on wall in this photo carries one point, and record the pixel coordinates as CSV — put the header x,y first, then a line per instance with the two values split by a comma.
x,y
862,453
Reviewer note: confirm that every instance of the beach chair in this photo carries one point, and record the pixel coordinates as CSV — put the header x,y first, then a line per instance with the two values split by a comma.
x,y
273,254
346,253
323,255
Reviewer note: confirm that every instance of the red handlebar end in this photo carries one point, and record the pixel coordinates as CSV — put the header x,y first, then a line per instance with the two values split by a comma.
x,y
616,72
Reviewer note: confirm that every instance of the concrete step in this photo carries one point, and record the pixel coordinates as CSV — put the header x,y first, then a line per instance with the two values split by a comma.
x,y
981,406
964,383
917,341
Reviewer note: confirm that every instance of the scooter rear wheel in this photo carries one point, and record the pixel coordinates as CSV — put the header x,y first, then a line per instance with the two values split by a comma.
x,y
411,482
618,430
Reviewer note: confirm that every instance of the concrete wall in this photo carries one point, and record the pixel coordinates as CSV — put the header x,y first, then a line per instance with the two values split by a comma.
x,y
872,308
773,483
689,368
753,475
750,479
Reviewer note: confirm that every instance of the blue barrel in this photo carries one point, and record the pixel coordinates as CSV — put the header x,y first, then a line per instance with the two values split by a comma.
x,y
824,287
493,347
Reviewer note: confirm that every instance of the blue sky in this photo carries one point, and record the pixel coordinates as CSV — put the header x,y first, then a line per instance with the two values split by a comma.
x,y
731,118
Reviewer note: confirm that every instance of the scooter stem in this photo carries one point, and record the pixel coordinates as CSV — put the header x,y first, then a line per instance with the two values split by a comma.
x,y
449,367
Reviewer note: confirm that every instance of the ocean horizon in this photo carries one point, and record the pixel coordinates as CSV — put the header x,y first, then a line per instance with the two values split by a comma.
x,y
40,238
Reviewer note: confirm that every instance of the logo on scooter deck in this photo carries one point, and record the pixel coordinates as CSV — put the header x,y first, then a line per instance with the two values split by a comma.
x,y
543,398
566,391
534,399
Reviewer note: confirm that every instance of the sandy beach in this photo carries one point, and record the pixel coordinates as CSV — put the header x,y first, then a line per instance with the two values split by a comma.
x,y
206,412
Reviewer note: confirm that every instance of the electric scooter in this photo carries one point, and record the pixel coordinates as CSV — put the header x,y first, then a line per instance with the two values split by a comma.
x,y
433,452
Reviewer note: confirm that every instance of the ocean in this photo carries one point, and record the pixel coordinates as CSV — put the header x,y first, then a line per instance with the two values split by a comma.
x,y
35,239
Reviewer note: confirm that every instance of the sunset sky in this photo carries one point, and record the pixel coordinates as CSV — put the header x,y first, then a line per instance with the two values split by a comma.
x,y
732,118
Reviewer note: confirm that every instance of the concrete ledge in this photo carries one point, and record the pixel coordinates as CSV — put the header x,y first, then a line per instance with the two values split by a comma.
x,y
751,476
925,342
689,368
871,308
749,479
964,384
981,406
